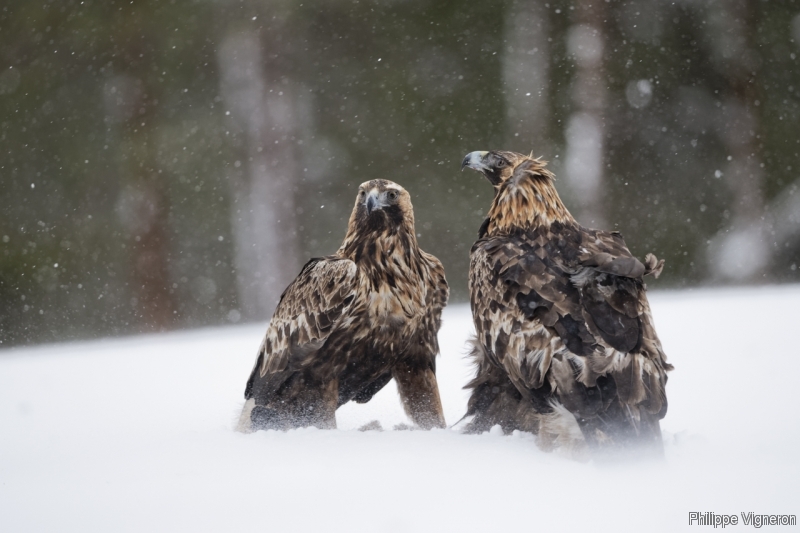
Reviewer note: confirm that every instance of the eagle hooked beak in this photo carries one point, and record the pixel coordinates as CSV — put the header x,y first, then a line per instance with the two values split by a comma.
x,y
372,202
475,161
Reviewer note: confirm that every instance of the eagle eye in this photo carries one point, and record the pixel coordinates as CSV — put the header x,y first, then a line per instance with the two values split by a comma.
x,y
361,192
393,195
501,163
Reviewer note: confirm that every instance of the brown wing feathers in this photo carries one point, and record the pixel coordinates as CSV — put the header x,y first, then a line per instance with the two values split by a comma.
x,y
305,316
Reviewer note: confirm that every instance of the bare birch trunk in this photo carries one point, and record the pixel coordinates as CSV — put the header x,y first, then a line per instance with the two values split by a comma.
x,y
739,252
585,153
262,105
155,299
526,71
142,205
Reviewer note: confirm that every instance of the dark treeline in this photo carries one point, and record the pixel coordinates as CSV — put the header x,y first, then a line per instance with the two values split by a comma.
x,y
170,164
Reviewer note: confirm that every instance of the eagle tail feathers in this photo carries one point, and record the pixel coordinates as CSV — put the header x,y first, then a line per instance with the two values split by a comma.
x,y
597,423
366,394
622,432
244,424
653,265
559,431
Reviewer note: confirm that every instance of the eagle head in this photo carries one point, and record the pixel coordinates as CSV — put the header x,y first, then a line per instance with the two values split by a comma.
x,y
525,195
497,166
382,206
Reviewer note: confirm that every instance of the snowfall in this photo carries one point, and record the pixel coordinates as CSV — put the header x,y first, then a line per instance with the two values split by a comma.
x,y
136,434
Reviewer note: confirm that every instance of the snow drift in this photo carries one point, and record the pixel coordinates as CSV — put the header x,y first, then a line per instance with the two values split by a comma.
x,y
137,435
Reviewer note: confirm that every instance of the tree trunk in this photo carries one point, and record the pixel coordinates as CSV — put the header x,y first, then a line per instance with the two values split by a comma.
x,y
142,205
739,254
263,109
585,153
526,70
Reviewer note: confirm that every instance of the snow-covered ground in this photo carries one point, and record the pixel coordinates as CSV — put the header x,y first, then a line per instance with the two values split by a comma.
x,y
136,435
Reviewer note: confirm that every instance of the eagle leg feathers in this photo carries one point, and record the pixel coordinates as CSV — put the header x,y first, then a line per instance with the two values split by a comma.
x,y
419,392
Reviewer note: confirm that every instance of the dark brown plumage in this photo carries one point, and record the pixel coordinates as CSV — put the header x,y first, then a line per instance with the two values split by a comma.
x,y
351,322
564,330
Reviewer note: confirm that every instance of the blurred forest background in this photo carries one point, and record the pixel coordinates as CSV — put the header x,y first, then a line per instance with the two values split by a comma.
x,y
170,164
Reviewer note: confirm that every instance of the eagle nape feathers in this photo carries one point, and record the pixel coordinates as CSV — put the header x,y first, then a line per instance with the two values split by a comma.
x,y
352,321
565,343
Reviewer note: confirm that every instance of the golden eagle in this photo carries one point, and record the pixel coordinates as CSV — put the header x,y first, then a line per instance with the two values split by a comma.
x,y
351,322
564,329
